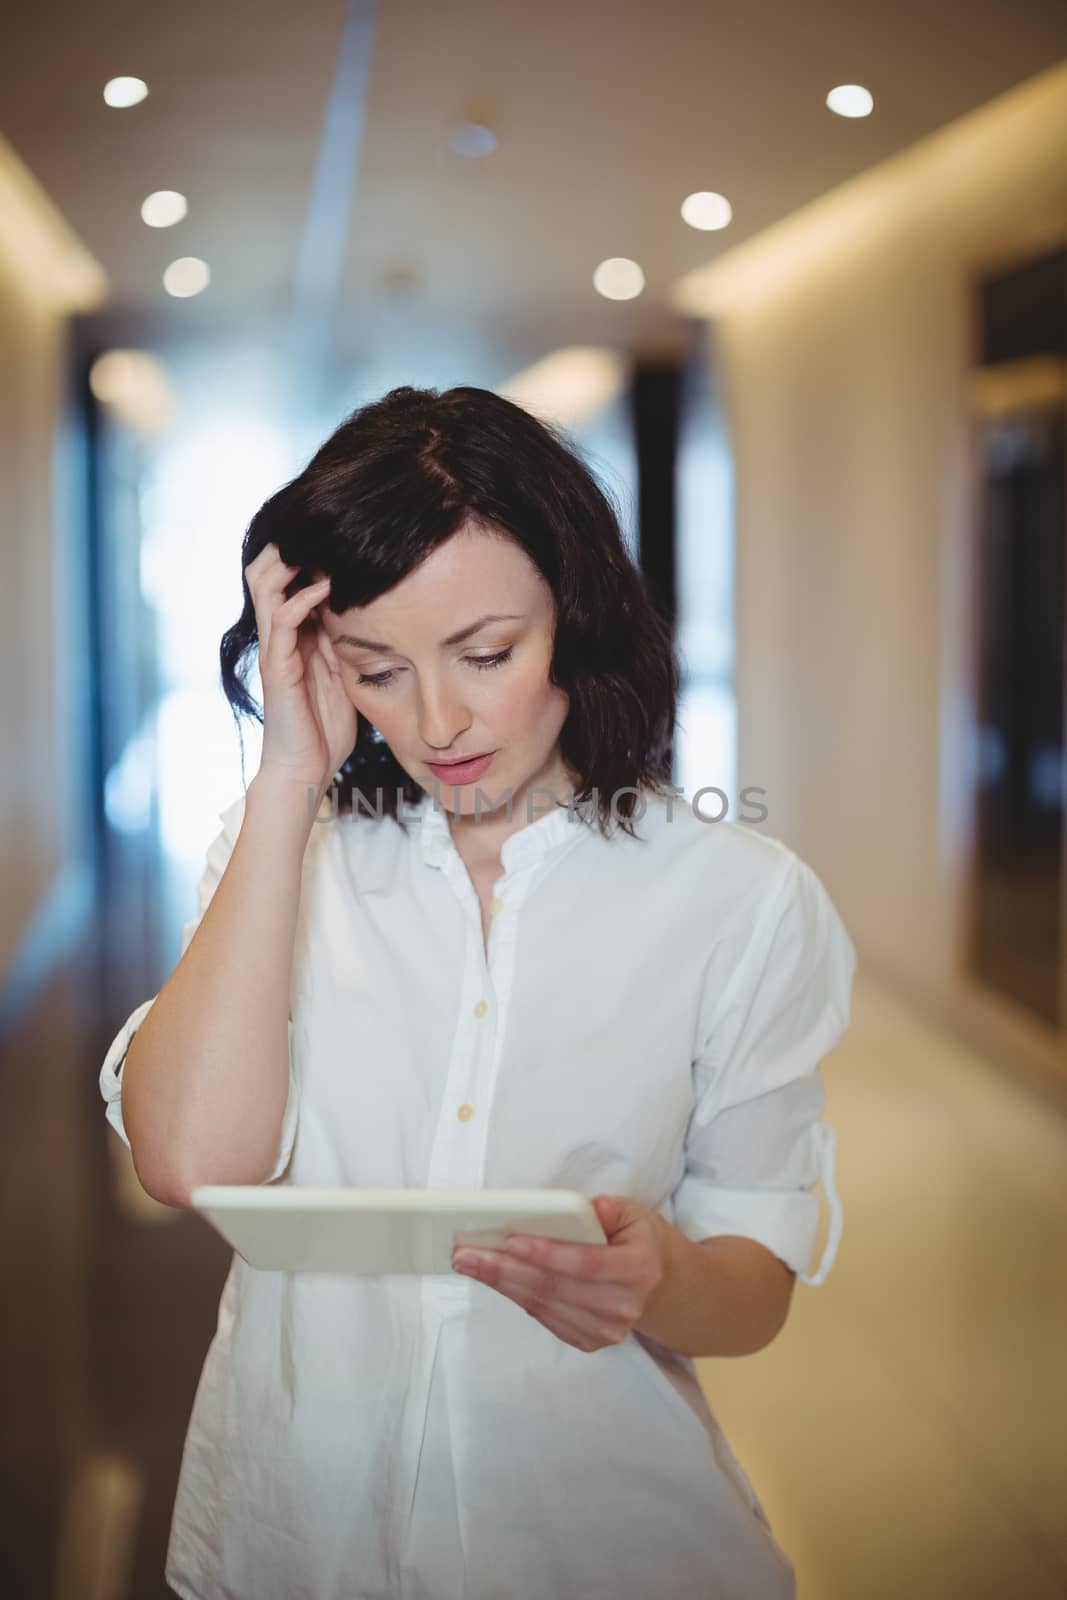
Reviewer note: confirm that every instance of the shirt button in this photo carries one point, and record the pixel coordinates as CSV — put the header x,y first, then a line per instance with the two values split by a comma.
x,y
495,905
465,1112
481,1008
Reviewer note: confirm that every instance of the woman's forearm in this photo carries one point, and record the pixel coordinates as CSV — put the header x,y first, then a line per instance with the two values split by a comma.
x,y
725,1296
206,1077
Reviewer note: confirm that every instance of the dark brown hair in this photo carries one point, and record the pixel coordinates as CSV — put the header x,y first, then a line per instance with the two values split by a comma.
x,y
397,479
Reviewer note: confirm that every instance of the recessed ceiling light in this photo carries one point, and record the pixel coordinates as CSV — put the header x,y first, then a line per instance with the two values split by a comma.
x,y
164,208
850,100
569,386
472,139
135,383
186,276
706,210
125,91
618,278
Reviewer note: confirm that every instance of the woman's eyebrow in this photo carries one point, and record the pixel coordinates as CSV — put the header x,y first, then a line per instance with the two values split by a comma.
x,y
453,638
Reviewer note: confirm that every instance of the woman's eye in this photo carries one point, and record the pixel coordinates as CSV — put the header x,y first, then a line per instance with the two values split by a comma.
x,y
496,660
380,680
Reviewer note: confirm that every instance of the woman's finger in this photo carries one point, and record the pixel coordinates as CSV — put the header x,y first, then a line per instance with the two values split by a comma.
x,y
332,706
510,1275
264,558
268,571
267,576
286,619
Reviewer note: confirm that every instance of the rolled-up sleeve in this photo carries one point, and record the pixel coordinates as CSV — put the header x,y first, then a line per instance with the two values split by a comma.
x,y
756,1143
218,854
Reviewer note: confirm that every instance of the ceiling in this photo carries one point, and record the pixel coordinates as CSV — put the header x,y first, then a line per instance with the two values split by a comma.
x,y
318,175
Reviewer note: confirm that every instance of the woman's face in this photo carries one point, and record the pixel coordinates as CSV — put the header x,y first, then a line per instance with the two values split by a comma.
x,y
434,698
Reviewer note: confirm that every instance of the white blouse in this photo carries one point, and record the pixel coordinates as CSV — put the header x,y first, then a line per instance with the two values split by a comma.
x,y
646,1018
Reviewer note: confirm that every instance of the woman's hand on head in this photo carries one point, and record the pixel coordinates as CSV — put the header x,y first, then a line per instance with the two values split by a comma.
x,y
309,723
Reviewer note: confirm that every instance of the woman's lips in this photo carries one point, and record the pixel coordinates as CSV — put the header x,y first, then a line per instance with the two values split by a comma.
x,y
460,772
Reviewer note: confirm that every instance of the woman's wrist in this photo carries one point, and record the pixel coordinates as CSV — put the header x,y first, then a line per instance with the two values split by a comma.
x,y
723,1296
291,801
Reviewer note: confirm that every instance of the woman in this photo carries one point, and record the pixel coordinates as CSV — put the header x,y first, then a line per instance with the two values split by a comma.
x,y
538,968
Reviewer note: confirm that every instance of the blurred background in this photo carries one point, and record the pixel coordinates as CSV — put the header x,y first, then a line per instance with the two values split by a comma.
x,y
796,281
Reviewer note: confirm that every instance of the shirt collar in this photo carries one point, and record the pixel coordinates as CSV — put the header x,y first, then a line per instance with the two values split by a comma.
x,y
529,843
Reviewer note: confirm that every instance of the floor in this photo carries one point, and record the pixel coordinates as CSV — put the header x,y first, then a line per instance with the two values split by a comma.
x,y
906,1433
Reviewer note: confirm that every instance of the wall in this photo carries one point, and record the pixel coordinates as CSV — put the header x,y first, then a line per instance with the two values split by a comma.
x,y
44,275
844,338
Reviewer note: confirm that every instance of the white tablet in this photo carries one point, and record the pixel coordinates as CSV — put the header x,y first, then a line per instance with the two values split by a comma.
x,y
355,1231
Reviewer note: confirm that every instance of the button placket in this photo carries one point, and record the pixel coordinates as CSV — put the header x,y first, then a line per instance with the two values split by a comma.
x,y
459,1144
484,1046
457,1155
457,1152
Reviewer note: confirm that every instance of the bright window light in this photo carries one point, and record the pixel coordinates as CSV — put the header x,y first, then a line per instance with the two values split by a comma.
x,y
205,484
706,749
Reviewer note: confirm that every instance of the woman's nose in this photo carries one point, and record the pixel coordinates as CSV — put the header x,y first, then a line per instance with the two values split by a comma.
x,y
442,717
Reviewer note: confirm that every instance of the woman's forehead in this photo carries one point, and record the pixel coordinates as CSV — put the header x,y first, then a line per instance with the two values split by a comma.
x,y
465,579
